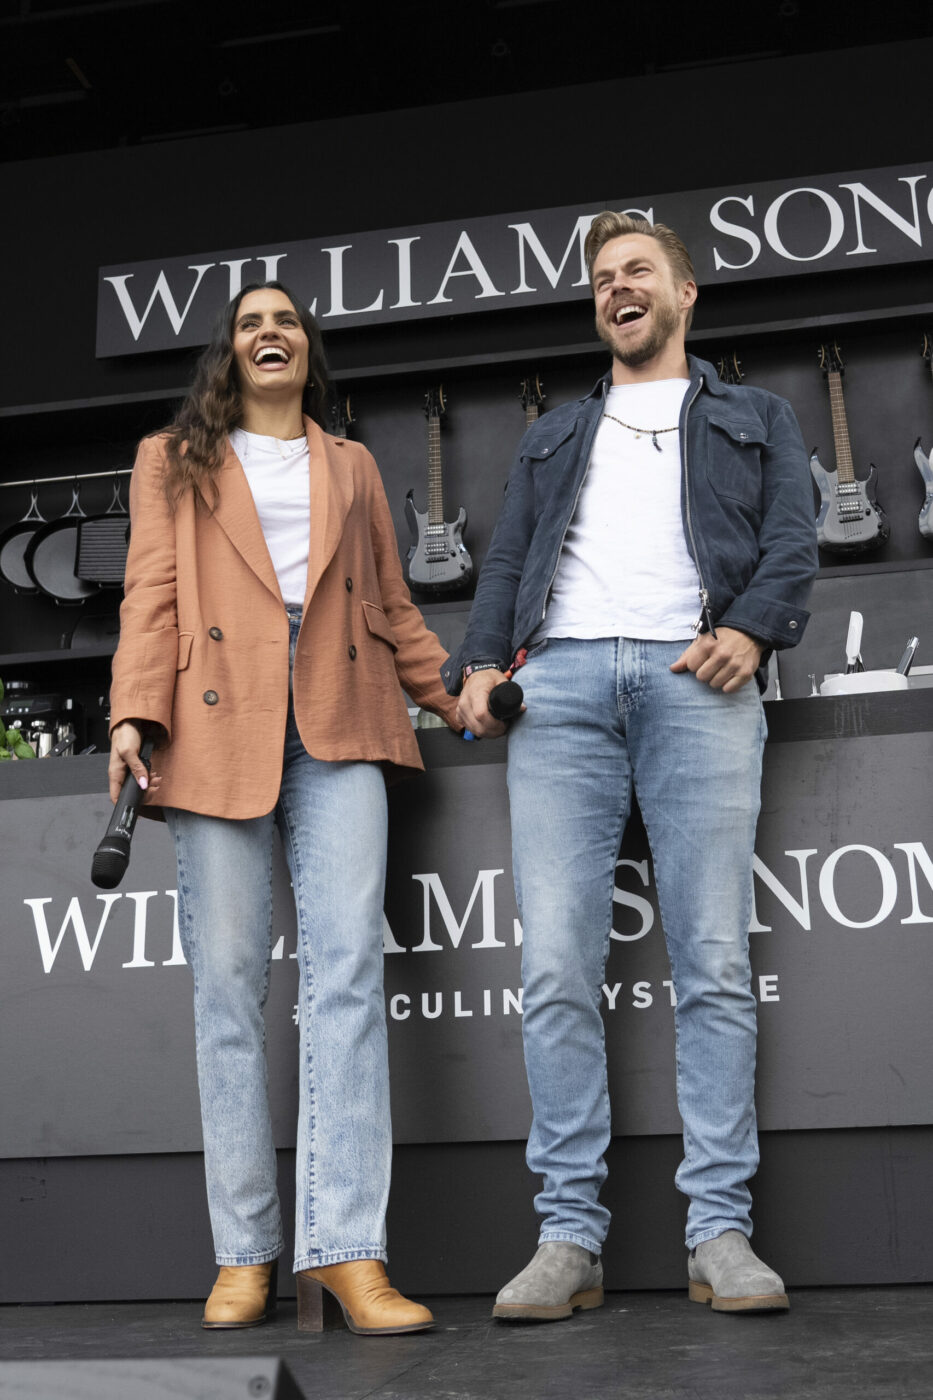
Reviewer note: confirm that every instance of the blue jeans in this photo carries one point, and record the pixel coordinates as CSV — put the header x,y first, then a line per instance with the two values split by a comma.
x,y
603,715
332,820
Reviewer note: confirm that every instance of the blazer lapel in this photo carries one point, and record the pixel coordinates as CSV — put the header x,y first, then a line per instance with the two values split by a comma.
x,y
331,487
236,515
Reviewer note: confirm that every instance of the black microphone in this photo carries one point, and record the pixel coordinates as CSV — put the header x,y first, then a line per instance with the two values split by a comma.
x,y
113,854
505,700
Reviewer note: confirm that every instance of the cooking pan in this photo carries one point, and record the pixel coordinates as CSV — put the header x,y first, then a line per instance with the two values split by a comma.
x,y
13,542
52,553
102,544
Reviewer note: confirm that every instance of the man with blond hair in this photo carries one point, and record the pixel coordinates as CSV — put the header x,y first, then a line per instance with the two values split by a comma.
x,y
655,545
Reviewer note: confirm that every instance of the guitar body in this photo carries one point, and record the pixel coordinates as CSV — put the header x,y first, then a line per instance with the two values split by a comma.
x,y
850,521
925,468
438,560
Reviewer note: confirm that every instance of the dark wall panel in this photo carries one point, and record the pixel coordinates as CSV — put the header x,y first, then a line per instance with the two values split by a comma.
x,y
832,1208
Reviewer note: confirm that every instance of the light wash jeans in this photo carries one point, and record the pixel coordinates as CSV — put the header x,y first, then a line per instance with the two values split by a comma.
x,y
601,715
332,820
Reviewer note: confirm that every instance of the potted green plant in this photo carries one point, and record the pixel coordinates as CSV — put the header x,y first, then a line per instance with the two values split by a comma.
x,y
12,741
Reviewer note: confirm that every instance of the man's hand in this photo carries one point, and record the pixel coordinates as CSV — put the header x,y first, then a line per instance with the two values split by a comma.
x,y
473,709
726,662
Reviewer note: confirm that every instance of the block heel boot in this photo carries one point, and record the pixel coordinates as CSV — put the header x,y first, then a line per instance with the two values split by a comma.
x,y
356,1294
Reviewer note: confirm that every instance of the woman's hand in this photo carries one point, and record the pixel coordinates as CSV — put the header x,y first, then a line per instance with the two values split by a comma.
x,y
125,744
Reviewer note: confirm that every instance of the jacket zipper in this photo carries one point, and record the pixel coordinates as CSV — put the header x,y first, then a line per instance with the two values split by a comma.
x,y
704,594
573,511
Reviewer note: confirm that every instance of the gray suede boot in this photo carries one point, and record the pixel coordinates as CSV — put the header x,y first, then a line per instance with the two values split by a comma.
x,y
727,1274
562,1276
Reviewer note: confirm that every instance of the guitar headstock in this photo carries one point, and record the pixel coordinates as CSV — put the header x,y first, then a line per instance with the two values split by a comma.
x,y
341,414
532,395
435,403
831,361
927,350
730,370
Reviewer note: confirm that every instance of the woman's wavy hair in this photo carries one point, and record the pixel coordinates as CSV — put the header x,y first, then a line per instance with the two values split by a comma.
x,y
196,441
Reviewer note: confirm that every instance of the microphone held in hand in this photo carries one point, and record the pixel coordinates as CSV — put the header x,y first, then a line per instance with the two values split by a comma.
x,y
505,700
113,854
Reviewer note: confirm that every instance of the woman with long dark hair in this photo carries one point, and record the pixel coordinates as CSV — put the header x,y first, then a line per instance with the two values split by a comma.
x,y
266,634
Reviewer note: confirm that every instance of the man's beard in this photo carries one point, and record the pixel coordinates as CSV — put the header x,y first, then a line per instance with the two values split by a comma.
x,y
666,323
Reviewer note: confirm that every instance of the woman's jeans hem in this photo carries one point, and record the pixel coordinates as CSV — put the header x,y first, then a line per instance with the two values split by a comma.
x,y
322,1258
232,1261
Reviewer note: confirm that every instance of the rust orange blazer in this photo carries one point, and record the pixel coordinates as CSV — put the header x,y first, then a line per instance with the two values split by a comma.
x,y
204,635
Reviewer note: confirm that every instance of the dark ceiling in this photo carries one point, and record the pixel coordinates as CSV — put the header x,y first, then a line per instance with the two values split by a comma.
x,y
84,75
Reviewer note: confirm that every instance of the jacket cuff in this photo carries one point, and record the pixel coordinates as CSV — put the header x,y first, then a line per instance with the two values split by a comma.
x,y
771,621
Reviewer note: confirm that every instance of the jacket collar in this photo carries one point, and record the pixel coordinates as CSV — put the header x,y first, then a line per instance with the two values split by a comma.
x,y
331,492
697,367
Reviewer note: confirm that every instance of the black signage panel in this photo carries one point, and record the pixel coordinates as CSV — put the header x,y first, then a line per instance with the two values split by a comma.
x,y
770,229
95,1012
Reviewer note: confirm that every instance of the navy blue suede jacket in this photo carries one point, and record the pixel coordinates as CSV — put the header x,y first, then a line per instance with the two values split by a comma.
x,y
746,501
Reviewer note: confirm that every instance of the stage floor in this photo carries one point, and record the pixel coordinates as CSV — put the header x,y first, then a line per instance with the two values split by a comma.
x,y
834,1344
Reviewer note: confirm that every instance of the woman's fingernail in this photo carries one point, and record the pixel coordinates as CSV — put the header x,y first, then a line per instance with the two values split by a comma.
x,y
143,782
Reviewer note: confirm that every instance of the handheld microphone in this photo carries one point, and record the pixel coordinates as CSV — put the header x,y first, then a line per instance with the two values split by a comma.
x,y
505,700
113,854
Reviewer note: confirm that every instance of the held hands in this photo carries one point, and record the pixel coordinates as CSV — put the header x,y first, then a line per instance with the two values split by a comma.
x,y
725,662
125,744
473,709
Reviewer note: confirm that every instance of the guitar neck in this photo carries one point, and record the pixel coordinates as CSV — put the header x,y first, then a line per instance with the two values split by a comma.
x,y
435,472
844,467
532,413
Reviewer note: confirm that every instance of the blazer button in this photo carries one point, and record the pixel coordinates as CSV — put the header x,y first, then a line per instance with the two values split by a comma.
x,y
210,697
349,585
216,633
351,652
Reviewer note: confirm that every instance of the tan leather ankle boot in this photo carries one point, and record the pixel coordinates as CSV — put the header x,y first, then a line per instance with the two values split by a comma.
x,y
243,1295
370,1305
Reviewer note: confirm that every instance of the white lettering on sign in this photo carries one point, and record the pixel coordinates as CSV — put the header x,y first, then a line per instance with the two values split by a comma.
x,y
74,919
528,237
337,307
484,886
637,902
474,268
857,885
160,292
910,230
794,227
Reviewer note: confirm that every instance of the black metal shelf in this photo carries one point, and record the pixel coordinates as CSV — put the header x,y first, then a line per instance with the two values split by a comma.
x,y
37,658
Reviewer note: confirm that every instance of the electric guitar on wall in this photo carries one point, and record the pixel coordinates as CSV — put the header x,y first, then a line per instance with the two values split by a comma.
x,y
532,397
922,459
729,369
341,415
850,521
438,561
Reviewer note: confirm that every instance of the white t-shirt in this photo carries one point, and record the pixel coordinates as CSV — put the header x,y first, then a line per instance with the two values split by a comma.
x,y
624,570
277,473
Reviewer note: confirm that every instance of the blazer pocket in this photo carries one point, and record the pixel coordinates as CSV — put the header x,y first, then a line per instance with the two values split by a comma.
x,y
184,649
379,625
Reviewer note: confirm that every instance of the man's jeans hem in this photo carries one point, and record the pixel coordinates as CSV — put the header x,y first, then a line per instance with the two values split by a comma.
x,y
321,1258
715,1231
566,1237
235,1261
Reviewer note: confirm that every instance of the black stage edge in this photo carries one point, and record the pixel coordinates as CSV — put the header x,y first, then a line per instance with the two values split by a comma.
x,y
841,1344
851,1206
